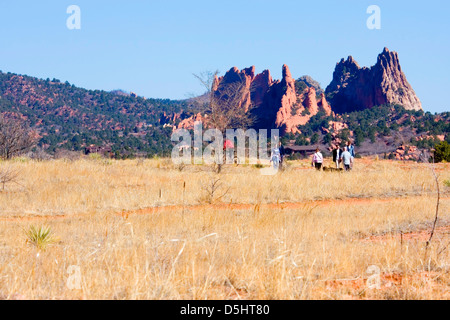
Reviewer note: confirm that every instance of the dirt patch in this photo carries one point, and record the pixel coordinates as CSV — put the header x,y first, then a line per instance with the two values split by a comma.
x,y
420,236
273,206
362,288
307,205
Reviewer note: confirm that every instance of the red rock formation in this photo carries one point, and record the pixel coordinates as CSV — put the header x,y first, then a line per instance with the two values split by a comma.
x,y
189,122
233,79
259,87
254,91
276,104
310,101
305,106
325,105
338,126
354,88
407,152
287,100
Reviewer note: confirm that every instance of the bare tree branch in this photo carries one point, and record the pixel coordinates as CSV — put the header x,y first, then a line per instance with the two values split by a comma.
x,y
224,104
15,138
436,218
8,175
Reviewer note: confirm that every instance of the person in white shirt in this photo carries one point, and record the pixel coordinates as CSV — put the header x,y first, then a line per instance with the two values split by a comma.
x,y
276,158
347,159
317,160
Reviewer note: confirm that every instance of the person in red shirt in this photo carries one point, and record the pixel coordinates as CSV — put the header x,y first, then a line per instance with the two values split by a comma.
x,y
228,147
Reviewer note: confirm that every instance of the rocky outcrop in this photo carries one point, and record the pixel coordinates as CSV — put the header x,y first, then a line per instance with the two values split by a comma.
x,y
188,123
236,80
287,99
407,152
294,109
310,82
274,104
259,87
287,104
325,105
354,88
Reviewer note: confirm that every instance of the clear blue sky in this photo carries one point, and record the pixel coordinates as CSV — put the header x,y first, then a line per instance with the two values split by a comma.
x,y
153,47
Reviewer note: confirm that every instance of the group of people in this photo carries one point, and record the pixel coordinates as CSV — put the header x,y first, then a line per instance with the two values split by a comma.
x,y
345,156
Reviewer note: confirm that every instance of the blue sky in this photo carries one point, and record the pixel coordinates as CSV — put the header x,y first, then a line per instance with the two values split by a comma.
x,y
153,47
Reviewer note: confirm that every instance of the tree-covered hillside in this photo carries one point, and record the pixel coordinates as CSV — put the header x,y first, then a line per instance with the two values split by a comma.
x,y
69,117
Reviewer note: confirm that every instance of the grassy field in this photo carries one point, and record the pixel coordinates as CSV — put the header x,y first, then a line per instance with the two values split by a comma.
x,y
151,230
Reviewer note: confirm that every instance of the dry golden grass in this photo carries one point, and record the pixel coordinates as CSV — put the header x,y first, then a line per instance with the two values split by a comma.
x,y
136,233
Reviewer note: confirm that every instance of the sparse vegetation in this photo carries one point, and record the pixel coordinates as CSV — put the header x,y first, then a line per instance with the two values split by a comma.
x,y
40,237
139,231
213,191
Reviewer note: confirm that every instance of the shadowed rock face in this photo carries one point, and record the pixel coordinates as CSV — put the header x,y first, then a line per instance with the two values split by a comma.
x,y
354,88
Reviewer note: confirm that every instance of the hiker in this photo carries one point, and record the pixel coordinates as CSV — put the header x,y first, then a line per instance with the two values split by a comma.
x,y
337,152
346,157
317,160
282,154
276,158
351,150
228,147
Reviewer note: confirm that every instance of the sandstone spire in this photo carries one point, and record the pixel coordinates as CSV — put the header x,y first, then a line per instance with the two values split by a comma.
x,y
354,88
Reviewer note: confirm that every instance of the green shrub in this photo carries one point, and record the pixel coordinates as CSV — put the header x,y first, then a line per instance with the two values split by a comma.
x,y
95,156
442,152
41,237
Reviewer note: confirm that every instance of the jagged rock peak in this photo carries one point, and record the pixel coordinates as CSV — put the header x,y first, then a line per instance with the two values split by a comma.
x,y
287,76
354,88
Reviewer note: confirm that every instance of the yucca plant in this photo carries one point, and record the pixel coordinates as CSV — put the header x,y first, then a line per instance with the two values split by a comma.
x,y
41,237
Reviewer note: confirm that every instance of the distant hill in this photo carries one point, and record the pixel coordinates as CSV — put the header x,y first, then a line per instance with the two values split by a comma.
x,y
375,107
72,118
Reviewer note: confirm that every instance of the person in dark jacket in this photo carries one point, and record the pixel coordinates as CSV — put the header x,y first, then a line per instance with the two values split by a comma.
x,y
282,154
351,149
337,152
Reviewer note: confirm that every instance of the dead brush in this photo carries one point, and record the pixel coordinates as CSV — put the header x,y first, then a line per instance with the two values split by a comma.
x,y
8,175
140,162
181,167
213,191
165,164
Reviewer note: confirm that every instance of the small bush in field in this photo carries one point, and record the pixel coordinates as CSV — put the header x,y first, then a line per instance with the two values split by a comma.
x,y
442,153
40,237
95,156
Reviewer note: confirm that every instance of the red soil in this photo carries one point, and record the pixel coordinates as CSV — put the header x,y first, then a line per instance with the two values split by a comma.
x,y
273,206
